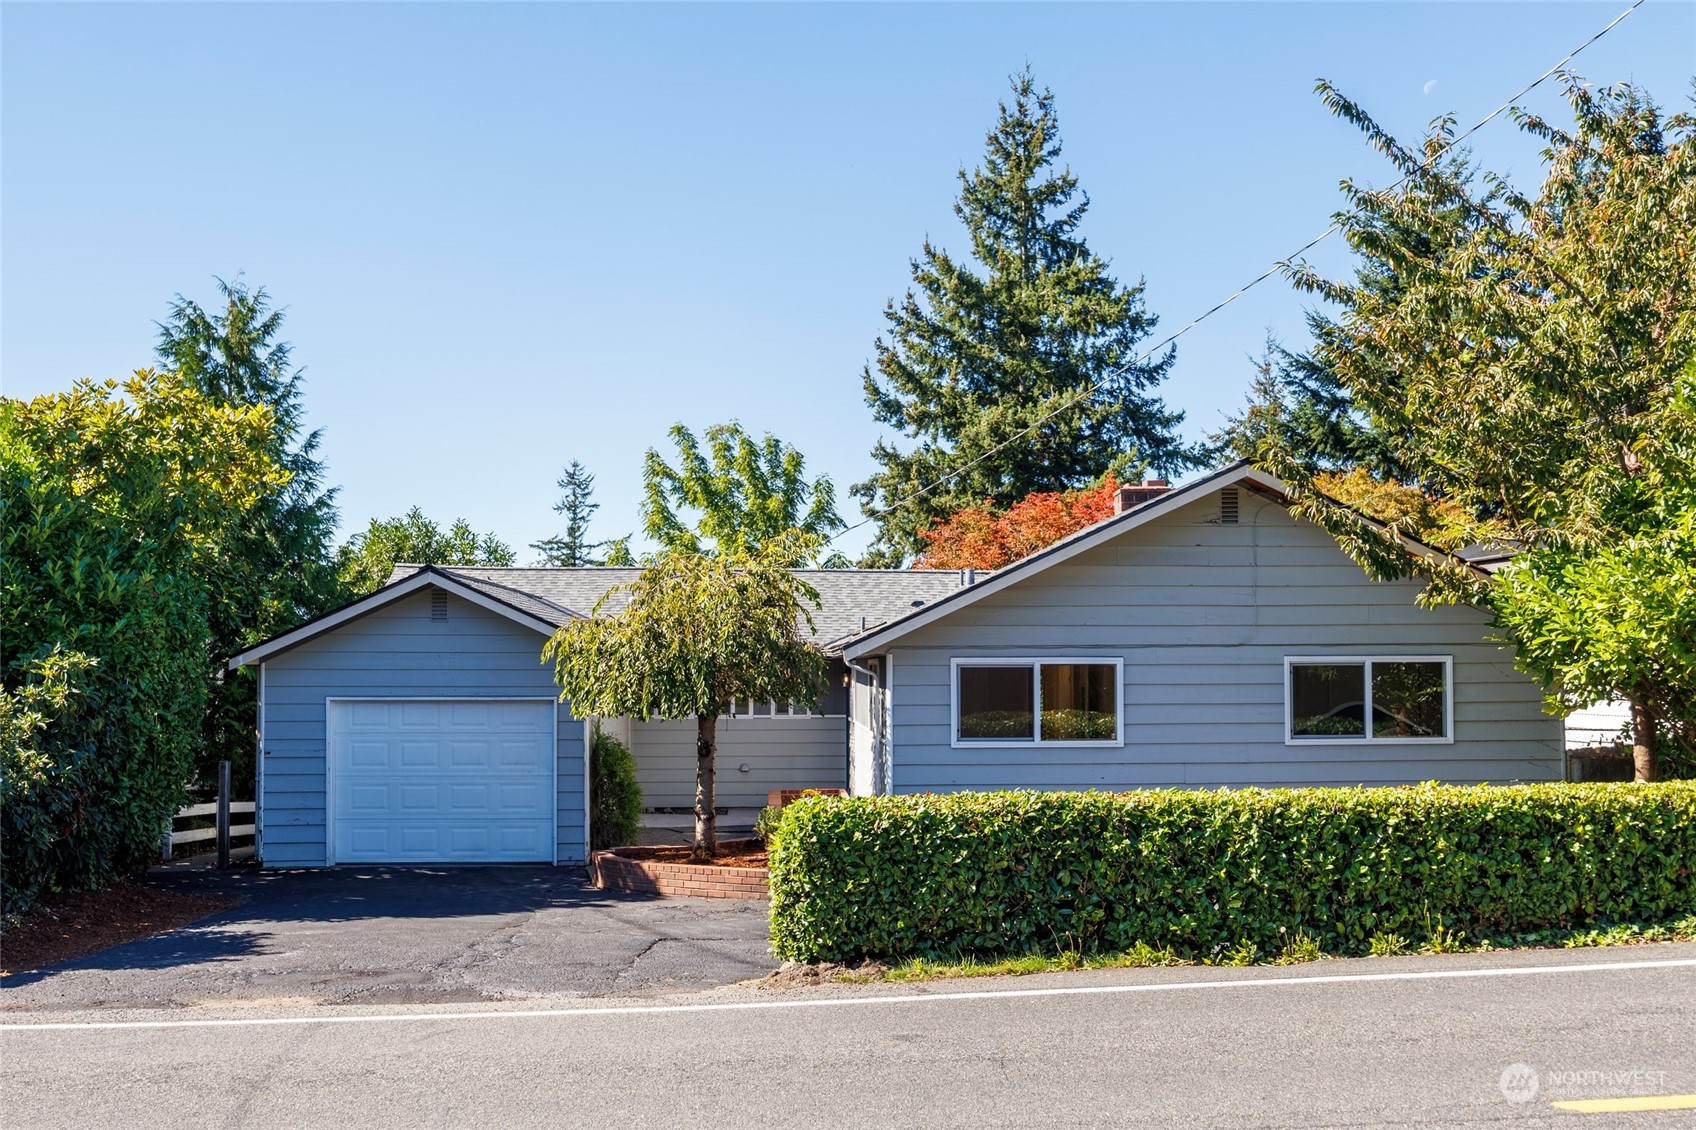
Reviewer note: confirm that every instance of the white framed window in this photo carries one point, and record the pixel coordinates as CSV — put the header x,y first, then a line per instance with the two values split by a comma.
x,y
1038,702
1373,699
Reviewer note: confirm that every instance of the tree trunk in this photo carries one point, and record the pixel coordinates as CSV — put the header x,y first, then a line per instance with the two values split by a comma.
x,y
706,823
1643,752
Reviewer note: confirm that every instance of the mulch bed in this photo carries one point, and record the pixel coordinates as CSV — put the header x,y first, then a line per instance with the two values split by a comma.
x,y
65,926
730,856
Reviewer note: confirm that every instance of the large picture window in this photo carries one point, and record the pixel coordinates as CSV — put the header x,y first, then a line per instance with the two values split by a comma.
x,y
1039,701
1369,698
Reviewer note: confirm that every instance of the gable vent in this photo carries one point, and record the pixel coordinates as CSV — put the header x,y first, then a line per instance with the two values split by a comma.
x,y
1229,504
439,606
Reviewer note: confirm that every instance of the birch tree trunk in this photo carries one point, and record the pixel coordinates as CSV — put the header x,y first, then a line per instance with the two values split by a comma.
x,y
706,822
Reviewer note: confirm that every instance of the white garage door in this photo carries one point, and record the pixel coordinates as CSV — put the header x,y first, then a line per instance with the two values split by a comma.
x,y
428,781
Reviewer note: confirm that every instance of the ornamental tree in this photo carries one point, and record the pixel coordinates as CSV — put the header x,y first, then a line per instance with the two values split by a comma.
x,y
690,636
1020,331
978,538
1526,368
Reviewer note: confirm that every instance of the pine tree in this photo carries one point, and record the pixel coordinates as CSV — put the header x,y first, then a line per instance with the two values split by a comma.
x,y
277,568
573,549
983,351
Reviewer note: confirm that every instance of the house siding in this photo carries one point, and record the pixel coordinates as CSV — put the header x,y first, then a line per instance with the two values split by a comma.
x,y
1203,615
780,753
398,652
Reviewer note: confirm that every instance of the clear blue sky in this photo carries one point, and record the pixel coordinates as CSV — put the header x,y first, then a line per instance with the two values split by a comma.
x,y
508,236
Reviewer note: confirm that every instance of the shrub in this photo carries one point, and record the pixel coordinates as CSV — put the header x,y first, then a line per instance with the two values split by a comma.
x,y
765,824
1206,874
615,799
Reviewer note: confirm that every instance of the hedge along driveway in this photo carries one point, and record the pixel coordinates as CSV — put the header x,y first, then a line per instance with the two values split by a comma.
x,y
990,874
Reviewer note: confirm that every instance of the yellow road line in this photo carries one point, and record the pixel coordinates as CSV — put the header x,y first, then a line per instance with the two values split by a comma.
x,y
1634,1102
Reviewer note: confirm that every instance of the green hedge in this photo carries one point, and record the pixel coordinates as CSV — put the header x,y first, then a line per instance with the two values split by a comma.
x,y
989,874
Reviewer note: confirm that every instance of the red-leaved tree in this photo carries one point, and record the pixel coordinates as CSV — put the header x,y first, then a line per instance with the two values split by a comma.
x,y
978,538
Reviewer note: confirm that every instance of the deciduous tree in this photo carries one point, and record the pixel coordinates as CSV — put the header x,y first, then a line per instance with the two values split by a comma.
x,y
369,557
1526,366
743,496
979,538
691,635
114,499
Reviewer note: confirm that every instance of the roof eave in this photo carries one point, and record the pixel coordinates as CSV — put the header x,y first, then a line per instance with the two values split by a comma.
x,y
427,576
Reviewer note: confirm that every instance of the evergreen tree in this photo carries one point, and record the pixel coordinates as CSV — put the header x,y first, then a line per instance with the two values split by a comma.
x,y
1009,350
573,549
276,568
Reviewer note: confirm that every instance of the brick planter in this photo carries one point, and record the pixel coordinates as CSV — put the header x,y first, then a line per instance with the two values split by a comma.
x,y
634,869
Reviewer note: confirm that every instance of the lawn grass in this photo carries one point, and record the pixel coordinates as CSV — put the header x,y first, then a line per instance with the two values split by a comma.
x,y
1299,950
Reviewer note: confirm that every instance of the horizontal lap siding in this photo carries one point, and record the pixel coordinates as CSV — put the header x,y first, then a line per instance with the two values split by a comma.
x,y
398,652
781,753
1203,615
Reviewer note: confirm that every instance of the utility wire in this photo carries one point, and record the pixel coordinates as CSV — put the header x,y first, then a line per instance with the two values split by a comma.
x,y
1090,391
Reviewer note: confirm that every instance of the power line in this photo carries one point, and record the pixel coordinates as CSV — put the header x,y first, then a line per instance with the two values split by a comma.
x,y
1238,293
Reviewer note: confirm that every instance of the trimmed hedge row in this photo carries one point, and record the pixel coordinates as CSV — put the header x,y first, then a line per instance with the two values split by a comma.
x,y
994,874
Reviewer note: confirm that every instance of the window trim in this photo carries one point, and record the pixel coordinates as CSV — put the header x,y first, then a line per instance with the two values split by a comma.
x,y
1448,662
779,711
1035,663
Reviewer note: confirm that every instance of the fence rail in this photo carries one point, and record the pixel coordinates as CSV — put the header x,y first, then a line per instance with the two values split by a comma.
x,y
222,830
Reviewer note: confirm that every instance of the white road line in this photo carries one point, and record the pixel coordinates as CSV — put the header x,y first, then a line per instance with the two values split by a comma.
x,y
852,1002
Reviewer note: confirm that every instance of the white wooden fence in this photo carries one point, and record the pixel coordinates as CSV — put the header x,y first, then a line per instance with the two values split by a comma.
x,y
197,835
222,829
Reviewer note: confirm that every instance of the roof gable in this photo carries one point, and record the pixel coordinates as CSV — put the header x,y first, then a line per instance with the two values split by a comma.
x,y
521,608
1238,474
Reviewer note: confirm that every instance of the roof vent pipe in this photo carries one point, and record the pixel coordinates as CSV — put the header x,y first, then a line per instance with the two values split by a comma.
x,y
968,577
1131,497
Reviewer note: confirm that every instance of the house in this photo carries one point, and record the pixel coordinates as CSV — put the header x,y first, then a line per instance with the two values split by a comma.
x,y
419,723
1201,637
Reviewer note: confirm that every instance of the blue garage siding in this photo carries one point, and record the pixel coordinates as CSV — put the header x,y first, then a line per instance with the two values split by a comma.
x,y
398,651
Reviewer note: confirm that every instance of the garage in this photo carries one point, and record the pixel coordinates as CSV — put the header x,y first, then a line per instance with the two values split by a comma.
x,y
441,780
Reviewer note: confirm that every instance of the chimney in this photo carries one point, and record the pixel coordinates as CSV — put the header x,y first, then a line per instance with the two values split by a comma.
x,y
1130,498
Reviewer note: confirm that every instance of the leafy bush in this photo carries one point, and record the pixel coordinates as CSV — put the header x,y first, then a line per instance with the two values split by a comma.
x,y
1210,873
765,824
114,501
615,799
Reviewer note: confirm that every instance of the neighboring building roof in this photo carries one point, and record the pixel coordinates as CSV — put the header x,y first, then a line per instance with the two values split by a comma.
x,y
1088,538
851,600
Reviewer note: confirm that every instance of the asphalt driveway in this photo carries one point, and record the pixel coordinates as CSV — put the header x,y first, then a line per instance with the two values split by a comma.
x,y
390,935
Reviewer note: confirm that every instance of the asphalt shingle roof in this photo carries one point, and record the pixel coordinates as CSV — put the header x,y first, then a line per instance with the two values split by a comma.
x,y
851,600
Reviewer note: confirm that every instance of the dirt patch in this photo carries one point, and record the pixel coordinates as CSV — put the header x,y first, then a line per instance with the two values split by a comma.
x,y
65,926
736,855
795,974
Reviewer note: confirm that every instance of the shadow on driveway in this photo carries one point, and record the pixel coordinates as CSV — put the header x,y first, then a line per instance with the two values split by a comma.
x,y
409,934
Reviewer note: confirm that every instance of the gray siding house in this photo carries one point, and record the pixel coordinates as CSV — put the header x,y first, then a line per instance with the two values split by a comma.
x,y
1201,637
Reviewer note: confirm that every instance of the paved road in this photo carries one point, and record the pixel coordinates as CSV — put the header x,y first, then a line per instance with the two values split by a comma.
x,y
1332,1044
387,935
